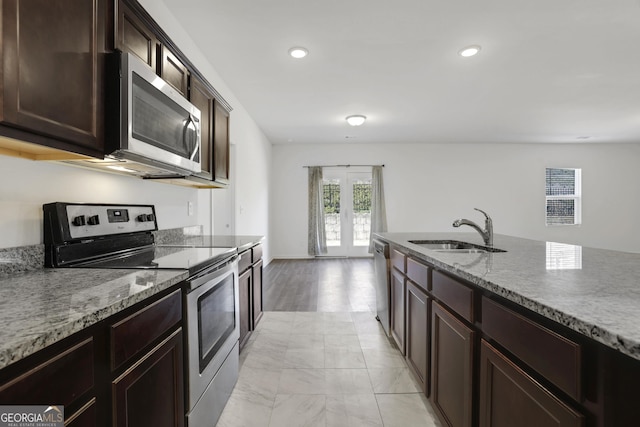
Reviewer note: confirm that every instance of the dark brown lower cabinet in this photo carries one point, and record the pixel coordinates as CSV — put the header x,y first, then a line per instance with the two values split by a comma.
x,y
84,417
257,292
418,334
250,282
452,352
398,292
509,397
151,392
244,282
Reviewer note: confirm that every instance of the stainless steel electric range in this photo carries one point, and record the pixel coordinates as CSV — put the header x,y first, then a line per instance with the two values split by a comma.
x,y
121,236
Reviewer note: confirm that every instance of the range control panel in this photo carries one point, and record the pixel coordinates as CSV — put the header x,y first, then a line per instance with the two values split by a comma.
x,y
87,220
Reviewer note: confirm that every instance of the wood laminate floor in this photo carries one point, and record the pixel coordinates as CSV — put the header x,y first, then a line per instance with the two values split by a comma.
x,y
319,358
329,284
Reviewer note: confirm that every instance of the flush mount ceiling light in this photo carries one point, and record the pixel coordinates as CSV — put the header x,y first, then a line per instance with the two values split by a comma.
x,y
469,51
298,52
356,120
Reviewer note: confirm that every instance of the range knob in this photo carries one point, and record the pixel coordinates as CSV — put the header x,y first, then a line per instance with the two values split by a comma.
x,y
78,221
150,217
141,218
93,220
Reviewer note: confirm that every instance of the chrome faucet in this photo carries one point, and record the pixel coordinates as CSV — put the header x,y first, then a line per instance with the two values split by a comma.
x,y
487,233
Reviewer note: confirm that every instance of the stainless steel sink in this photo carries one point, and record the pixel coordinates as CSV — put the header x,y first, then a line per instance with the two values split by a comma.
x,y
454,246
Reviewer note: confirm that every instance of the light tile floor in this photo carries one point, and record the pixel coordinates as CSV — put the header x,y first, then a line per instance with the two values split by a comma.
x,y
324,369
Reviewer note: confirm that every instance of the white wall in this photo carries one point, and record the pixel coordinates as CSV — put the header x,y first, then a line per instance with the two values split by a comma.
x,y
26,185
428,186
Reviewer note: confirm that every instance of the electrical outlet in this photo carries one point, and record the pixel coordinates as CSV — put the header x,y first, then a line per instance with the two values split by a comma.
x,y
190,208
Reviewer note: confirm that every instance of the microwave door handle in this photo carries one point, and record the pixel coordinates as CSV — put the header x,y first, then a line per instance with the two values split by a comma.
x,y
194,148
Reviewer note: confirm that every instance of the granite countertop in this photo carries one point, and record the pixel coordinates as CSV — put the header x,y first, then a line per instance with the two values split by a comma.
x,y
203,241
39,306
595,292
42,307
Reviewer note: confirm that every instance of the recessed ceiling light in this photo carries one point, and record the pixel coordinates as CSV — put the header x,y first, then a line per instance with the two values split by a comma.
x,y
298,52
356,120
469,51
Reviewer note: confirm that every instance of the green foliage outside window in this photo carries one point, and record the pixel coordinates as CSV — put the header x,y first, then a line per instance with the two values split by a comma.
x,y
361,198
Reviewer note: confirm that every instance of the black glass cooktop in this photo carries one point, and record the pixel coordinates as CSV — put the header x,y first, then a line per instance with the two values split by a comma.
x,y
192,259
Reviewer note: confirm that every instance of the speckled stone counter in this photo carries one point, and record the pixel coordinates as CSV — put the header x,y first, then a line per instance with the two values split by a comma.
x,y
42,307
21,259
592,291
241,242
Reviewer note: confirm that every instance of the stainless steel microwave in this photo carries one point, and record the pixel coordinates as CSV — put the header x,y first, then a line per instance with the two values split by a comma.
x,y
151,127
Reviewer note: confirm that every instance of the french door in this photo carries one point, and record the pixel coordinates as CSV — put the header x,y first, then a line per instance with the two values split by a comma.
x,y
347,209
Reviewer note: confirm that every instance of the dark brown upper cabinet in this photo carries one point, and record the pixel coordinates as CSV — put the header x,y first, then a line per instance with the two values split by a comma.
x,y
174,72
135,36
52,72
220,143
202,98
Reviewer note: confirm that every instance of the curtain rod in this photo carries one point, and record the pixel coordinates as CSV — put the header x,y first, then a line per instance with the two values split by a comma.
x,y
340,166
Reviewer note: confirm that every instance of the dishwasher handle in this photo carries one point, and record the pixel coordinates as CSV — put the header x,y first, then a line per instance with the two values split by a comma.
x,y
381,248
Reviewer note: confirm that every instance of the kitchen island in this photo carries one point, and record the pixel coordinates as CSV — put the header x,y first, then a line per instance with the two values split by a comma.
x,y
543,328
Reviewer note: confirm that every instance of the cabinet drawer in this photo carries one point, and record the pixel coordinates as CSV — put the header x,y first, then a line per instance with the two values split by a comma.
x,y
508,396
418,273
62,379
553,356
457,296
256,254
244,261
399,260
132,334
84,417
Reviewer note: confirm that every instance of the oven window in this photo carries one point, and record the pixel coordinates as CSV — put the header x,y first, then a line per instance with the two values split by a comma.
x,y
216,319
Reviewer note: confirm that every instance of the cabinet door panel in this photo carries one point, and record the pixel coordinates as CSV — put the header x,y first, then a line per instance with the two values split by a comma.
x,y
418,334
244,282
53,56
398,292
509,397
257,293
135,37
202,98
174,72
451,368
220,144
151,392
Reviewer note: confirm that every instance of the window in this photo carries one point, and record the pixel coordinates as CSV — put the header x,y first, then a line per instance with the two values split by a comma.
x,y
563,192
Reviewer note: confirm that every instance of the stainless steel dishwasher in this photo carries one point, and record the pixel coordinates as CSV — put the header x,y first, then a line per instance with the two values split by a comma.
x,y
381,263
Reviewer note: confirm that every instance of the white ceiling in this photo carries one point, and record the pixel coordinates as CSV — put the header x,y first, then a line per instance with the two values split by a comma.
x,y
549,70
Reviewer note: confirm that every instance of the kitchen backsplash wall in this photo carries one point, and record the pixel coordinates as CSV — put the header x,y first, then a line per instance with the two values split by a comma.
x,y
28,258
27,185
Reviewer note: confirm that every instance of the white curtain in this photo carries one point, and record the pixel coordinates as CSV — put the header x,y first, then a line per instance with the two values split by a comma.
x,y
378,209
317,236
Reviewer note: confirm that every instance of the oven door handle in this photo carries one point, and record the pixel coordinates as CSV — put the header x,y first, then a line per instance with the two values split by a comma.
x,y
211,273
